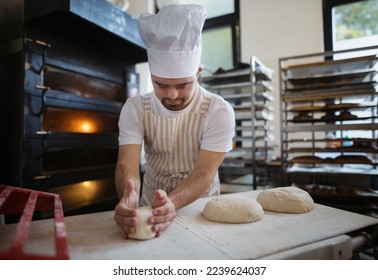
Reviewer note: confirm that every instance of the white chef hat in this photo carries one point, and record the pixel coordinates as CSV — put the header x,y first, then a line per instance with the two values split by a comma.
x,y
173,40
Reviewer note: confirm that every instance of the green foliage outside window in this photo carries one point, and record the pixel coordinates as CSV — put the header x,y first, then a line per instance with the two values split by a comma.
x,y
356,20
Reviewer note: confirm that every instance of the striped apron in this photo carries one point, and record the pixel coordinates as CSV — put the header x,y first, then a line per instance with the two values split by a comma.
x,y
171,148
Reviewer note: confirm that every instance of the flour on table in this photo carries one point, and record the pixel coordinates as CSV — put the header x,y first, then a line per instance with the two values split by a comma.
x,y
143,229
232,210
286,200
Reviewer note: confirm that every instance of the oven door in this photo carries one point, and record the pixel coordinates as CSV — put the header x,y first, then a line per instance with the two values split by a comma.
x,y
72,106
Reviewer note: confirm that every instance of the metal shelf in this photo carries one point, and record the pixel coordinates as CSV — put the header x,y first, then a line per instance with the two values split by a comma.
x,y
249,92
328,127
320,91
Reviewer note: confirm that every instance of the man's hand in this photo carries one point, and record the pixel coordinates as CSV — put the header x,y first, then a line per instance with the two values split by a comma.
x,y
125,214
163,211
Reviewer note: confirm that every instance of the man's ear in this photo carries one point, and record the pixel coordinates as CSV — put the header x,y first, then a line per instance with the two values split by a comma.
x,y
200,69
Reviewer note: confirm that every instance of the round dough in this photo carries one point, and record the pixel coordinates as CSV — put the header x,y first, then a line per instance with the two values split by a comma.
x,y
143,229
232,210
286,200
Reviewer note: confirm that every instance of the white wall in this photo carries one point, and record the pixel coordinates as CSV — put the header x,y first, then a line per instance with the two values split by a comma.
x,y
273,29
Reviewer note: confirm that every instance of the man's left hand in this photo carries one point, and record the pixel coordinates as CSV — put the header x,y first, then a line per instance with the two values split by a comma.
x,y
164,212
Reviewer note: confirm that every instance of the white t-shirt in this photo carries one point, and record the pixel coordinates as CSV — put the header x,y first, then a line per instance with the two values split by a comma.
x,y
219,121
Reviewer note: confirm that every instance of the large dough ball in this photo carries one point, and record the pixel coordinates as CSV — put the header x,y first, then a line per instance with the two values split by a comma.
x,y
232,210
286,200
143,229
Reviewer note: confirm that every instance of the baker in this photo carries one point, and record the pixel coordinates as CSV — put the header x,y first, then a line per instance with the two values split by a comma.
x,y
184,129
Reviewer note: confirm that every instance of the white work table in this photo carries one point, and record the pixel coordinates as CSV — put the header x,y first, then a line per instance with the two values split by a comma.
x,y
321,233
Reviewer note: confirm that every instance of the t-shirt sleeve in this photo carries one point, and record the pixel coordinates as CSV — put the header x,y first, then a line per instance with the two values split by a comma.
x,y
219,126
130,122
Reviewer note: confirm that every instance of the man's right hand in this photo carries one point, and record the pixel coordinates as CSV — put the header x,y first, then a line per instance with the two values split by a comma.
x,y
125,214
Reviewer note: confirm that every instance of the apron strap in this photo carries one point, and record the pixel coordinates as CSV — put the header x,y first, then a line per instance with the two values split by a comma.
x,y
147,102
205,104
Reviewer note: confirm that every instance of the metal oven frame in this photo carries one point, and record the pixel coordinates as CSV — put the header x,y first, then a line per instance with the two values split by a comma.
x,y
92,38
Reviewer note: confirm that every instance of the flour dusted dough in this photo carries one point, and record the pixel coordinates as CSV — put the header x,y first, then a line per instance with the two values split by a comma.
x,y
286,200
232,210
143,229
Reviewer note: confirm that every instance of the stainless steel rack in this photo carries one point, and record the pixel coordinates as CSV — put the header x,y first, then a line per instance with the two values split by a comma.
x,y
329,128
249,91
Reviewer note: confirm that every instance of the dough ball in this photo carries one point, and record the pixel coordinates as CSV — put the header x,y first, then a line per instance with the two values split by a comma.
x,y
232,210
143,229
286,200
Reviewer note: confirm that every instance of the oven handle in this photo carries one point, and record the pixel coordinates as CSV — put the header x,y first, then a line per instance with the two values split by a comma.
x,y
41,177
43,99
44,47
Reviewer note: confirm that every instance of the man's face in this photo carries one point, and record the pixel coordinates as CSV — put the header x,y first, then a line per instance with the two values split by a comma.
x,y
175,94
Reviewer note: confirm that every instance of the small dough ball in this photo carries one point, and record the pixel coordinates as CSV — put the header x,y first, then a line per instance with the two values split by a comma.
x,y
232,210
286,200
143,229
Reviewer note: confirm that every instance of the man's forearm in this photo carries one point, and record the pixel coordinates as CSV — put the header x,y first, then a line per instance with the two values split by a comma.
x,y
199,180
128,168
121,176
191,188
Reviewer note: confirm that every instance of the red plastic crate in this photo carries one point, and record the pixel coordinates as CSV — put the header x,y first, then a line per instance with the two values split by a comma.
x,y
25,202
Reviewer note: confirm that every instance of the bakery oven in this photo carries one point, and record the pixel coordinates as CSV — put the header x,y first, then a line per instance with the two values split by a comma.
x,y
67,67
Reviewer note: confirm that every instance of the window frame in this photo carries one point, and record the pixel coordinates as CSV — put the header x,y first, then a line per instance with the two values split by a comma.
x,y
328,5
233,21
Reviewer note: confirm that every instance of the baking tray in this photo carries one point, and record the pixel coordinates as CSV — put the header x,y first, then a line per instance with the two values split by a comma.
x,y
331,66
25,202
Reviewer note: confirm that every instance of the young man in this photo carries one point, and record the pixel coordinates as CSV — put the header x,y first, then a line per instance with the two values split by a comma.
x,y
186,131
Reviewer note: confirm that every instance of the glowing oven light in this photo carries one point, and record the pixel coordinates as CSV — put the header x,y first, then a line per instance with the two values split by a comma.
x,y
88,190
86,127
86,184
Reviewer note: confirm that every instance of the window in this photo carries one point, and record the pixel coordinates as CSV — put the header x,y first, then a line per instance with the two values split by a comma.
x,y
214,56
221,41
220,35
350,24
